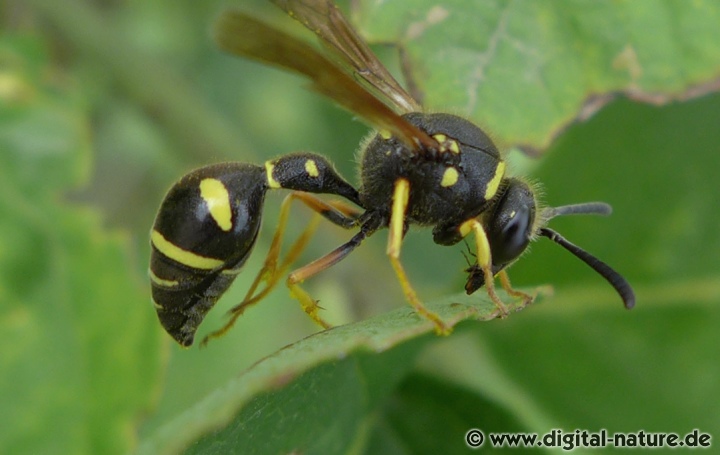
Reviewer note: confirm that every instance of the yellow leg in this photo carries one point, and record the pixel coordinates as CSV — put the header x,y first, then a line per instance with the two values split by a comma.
x,y
401,196
505,282
485,263
309,304
270,272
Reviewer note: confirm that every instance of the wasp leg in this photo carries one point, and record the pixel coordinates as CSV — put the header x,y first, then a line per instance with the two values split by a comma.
x,y
337,212
310,305
482,246
401,196
527,299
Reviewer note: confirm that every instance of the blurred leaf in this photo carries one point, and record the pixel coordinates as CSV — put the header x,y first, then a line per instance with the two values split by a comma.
x,y
346,371
525,69
656,166
582,360
84,362
423,402
81,352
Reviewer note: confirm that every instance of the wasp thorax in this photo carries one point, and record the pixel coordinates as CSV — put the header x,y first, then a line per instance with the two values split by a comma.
x,y
450,184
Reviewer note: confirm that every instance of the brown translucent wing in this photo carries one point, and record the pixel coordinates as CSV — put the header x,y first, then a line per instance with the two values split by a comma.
x,y
326,20
245,36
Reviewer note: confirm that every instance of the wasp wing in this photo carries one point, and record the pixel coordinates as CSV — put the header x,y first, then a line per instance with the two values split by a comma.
x,y
240,34
326,20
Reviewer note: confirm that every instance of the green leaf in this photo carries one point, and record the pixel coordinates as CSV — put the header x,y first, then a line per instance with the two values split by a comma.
x,y
335,380
424,401
525,70
82,360
79,351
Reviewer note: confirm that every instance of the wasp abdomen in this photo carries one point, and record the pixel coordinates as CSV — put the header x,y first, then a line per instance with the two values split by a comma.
x,y
308,172
207,226
204,231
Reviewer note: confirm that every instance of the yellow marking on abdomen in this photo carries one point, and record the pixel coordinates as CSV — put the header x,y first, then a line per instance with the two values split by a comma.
x,y
217,198
311,168
272,183
157,305
184,257
449,178
160,281
232,271
494,183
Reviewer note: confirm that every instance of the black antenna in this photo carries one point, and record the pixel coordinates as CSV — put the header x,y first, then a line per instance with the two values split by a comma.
x,y
620,284
587,208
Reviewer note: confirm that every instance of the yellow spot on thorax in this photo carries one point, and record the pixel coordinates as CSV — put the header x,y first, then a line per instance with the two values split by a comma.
x,y
494,183
217,198
184,257
311,168
449,178
385,134
446,143
272,183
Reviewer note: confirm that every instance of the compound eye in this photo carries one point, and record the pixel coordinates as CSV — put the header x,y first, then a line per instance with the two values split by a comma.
x,y
510,230
515,236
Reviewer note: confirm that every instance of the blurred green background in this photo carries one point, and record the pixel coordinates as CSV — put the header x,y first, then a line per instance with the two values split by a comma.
x,y
104,104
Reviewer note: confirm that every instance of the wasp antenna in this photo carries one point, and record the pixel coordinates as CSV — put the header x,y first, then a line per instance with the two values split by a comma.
x,y
587,208
616,280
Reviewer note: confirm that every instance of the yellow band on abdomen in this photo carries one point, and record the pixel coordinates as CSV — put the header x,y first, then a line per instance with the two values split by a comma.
x,y
184,257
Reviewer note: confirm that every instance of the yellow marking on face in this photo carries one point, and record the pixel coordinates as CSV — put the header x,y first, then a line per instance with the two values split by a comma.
x,y
449,178
440,137
217,198
385,134
184,257
160,281
454,146
311,168
272,183
494,183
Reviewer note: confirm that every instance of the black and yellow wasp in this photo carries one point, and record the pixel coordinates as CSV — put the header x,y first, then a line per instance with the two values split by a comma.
x,y
420,168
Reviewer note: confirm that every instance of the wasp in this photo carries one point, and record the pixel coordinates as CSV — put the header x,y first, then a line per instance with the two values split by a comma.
x,y
418,169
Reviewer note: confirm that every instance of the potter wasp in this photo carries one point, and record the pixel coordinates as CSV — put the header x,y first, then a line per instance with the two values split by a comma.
x,y
419,168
